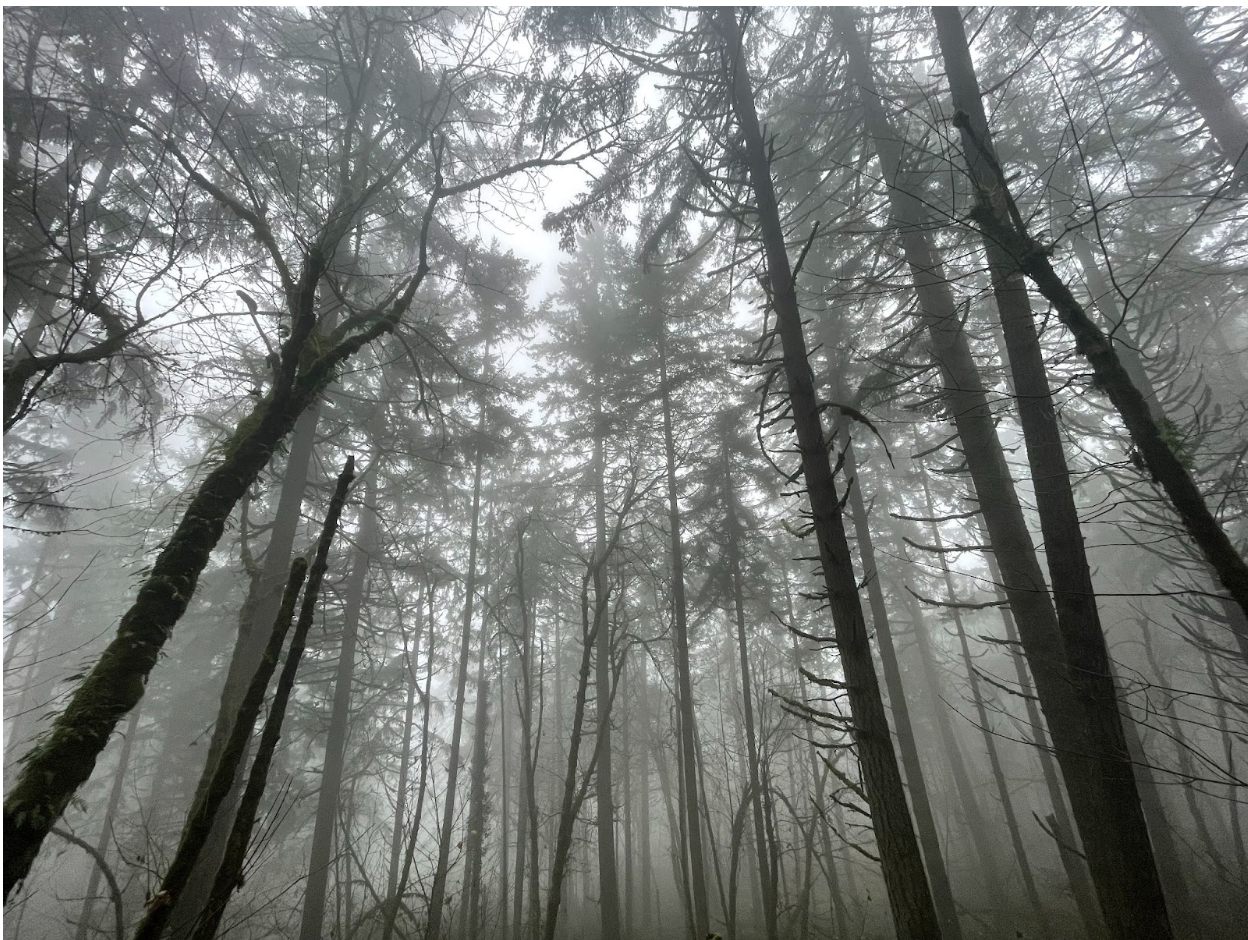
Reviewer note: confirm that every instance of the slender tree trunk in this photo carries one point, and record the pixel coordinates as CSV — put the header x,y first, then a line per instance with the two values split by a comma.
x,y
766,875
910,899
312,922
437,893
405,755
684,683
474,844
981,718
395,901
102,844
1167,28
608,879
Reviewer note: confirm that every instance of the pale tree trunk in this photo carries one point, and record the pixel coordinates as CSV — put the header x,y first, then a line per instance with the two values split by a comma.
x,y
474,843
910,899
766,874
684,682
395,900
981,718
1167,28
410,658
608,879
1061,825
437,893
87,917
366,548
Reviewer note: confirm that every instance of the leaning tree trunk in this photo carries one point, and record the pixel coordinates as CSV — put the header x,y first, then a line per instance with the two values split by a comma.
x,y
328,797
64,760
160,908
229,875
1081,730
910,899
263,601
998,217
204,810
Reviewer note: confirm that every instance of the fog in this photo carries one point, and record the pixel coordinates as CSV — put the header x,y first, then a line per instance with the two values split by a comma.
x,y
625,474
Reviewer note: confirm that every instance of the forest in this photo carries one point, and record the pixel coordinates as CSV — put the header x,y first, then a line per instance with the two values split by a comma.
x,y
623,473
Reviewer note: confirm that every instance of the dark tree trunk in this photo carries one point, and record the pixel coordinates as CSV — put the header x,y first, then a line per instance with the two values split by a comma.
x,y
64,760
910,899
204,810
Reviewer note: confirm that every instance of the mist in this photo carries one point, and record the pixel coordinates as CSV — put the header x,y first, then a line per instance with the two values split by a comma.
x,y
625,473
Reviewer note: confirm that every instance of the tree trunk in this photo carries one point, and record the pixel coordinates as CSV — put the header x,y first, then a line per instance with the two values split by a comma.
x,y
395,901
1120,855
981,718
229,875
474,844
405,755
312,921
102,844
204,810
437,894
910,899
903,728
259,609
608,879
684,683
998,218
766,874
1167,28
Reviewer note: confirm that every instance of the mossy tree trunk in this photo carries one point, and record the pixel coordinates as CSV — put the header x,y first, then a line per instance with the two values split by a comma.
x,y
64,760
